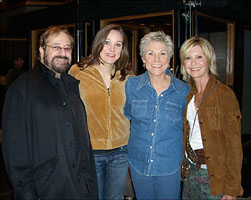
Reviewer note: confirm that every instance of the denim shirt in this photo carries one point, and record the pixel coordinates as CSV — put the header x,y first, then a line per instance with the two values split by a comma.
x,y
156,136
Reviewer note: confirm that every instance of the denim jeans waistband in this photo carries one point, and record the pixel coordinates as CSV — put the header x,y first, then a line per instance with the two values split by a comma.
x,y
103,151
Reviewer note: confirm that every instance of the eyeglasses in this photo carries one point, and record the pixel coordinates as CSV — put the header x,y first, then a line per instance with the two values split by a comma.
x,y
67,49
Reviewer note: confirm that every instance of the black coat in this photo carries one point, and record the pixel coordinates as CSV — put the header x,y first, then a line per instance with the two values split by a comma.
x,y
46,143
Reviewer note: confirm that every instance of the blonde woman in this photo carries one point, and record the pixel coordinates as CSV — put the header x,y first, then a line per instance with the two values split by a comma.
x,y
212,137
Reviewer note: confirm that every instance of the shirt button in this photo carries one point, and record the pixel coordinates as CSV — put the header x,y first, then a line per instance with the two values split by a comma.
x,y
161,95
151,147
67,123
152,134
156,107
64,103
154,120
151,161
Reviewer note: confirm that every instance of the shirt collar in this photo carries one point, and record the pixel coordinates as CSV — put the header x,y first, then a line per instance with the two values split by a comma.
x,y
145,80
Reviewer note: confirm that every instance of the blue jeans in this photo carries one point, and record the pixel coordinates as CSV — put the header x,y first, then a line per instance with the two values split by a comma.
x,y
111,169
156,187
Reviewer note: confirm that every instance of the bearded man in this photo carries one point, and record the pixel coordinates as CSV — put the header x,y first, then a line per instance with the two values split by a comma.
x,y
46,145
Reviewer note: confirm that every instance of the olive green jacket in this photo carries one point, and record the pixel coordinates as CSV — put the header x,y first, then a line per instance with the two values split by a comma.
x,y
220,125
108,127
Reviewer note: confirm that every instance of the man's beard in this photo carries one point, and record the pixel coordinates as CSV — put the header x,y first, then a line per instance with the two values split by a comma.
x,y
56,67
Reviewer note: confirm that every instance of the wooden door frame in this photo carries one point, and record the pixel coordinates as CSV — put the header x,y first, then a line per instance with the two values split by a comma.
x,y
230,45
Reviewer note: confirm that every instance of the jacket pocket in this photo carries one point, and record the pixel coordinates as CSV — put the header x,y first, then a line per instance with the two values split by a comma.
x,y
85,180
213,118
46,168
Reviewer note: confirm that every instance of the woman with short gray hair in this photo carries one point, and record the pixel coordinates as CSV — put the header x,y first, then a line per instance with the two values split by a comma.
x,y
155,103
158,36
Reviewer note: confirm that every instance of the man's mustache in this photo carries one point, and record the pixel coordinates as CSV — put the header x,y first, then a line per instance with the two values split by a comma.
x,y
61,57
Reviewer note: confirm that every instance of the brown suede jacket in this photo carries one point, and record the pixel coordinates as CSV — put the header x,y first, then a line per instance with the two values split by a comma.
x,y
108,126
220,124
